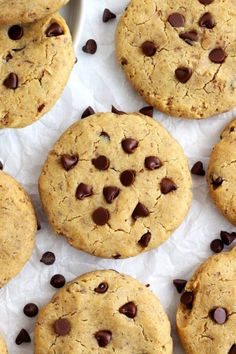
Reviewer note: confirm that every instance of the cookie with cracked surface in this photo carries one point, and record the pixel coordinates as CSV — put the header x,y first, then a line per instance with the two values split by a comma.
x,y
37,60
221,175
3,347
18,226
103,311
116,185
24,11
180,57
206,317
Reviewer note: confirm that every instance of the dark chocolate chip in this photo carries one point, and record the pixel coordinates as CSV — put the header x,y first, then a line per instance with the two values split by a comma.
x,y
189,37
48,258
129,309
145,239
58,281
227,237
11,81
41,107
116,256
69,161
105,135
129,145
83,191
183,74
217,55
127,177
216,182
101,163
8,57
205,2
176,19
102,288
15,32
187,298
140,211
62,327
198,169
219,315
152,163
149,48
167,186
90,47
38,225
124,61
180,284
101,216
147,111
23,337
103,338
31,310
116,111
1,165
110,193
217,246
89,111
108,15
54,30
207,21
232,349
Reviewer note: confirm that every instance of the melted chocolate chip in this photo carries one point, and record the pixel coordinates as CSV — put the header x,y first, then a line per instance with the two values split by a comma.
x,y
217,246
227,238
11,81
127,177
217,55
152,163
167,186
108,15
103,338
23,337
15,32
101,216
129,309
101,163
54,30
216,182
140,211
198,169
149,48
62,327
102,288
48,258
232,349
189,37
89,111
116,111
176,20
90,47
219,315
110,193
83,191
58,281
147,111
31,310
187,298
69,161
183,74
129,145
145,239
207,21
205,2
180,285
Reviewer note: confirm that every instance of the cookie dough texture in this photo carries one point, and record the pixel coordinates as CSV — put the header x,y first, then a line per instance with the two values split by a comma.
x,y
17,228
221,174
213,285
89,312
41,64
211,88
24,11
102,135
3,348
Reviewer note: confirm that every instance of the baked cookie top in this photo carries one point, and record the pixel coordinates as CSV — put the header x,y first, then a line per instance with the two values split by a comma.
x,y
23,11
103,312
181,56
206,319
116,185
221,173
17,228
36,62
3,348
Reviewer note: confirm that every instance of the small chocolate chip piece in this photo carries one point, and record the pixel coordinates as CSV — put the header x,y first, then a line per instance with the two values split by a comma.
x,y
101,216
58,281
8,57
103,338
83,191
11,81
1,165
23,337
48,258
219,315
102,288
54,30
108,15
129,145
198,169
90,47
149,48
217,245
41,107
147,111
89,111
187,298
69,161
189,37
180,284
15,32
127,177
152,163
167,186
110,193
207,21
205,2
183,74
129,309
217,55
124,61
31,310
116,111
101,163
232,349
140,211
176,19
105,136
145,239
116,256
62,327
216,182
227,238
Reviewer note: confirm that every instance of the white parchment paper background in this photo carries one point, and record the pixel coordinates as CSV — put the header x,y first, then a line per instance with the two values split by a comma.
x,y
98,81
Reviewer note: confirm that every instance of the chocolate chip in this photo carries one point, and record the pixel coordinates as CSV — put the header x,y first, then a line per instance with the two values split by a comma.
x,y
217,55
183,74
23,337
129,309
149,48
116,256
227,238
217,246
116,111
110,193
176,20
216,182
54,30
48,258
15,32
31,310
90,46
11,81
105,135
207,21
1,165
145,239
167,186
101,216
180,284
205,2
219,315
232,349
83,191
127,177
108,15
103,338
189,37
88,112
38,225
198,169
102,288
147,111
124,61
41,107
58,281
101,163
62,327
129,145
140,211
8,57
187,298
152,163
69,161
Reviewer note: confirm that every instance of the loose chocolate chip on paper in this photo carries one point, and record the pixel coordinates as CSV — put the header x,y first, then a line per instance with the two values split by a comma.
x,y
219,315
15,32
108,15
176,20
101,163
90,47
127,177
189,37
11,81
110,193
147,111
198,169
152,163
216,182
129,309
140,211
167,185
232,349
145,239
187,298
180,284
129,145
227,238
54,30
48,258
62,327
102,288
31,310
207,21
103,338
205,2
116,111
183,74
217,55
149,48
83,191
23,337
101,216
89,111
217,246
58,281
69,161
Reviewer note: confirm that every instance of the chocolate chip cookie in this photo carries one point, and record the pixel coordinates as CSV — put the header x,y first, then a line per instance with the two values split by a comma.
x,y
221,174
17,228
206,317
116,185
36,60
180,57
3,348
23,11
103,312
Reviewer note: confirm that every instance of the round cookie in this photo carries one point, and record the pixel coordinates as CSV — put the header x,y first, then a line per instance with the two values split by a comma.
x,y
37,59
180,57
221,175
18,226
116,185
103,311
24,11
206,317
3,348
